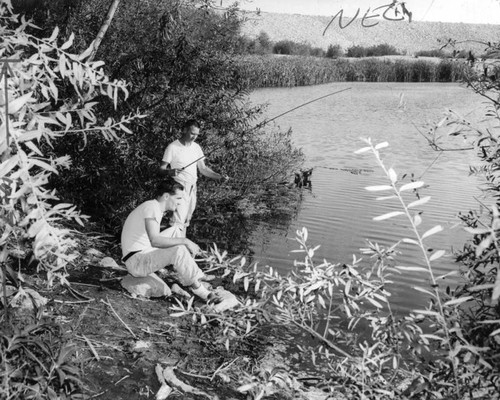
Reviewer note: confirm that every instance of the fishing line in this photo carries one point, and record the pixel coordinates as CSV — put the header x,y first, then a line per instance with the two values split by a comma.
x,y
432,163
428,9
267,122
355,171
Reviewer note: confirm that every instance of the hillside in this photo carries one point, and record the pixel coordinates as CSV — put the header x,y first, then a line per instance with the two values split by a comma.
x,y
404,36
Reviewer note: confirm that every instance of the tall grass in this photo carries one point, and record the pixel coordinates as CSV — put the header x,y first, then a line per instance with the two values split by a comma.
x,y
272,71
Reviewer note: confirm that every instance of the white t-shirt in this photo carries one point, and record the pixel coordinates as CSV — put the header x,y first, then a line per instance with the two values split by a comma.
x,y
134,235
178,156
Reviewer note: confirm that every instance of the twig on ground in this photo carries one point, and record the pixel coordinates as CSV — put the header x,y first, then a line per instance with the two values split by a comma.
x,y
76,294
97,395
84,284
117,316
223,367
97,342
169,375
194,375
74,302
118,381
214,269
92,348
323,339
150,332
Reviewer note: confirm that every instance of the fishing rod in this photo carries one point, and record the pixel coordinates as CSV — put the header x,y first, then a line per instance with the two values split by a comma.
x,y
268,121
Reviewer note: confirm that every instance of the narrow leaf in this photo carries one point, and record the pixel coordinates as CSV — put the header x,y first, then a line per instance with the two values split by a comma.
x,y
451,273
8,165
55,32
392,175
179,314
436,255
432,231
410,241
417,220
427,312
424,290
33,148
17,104
411,186
374,302
485,243
386,197
378,188
432,337
362,150
69,42
419,202
477,231
411,269
381,145
455,302
482,287
388,215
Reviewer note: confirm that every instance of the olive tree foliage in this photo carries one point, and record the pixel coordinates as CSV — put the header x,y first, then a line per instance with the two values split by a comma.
x,y
51,93
178,58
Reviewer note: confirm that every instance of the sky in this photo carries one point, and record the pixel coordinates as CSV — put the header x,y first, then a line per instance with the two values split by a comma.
x,y
467,11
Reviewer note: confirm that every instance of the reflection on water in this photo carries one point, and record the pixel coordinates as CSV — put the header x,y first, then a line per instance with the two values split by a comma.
x,y
338,211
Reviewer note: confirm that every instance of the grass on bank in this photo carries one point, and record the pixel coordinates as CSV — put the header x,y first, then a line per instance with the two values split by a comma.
x,y
275,71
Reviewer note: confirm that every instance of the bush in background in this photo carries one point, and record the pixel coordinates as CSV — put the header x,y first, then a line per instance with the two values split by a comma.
x,y
178,61
433,53
372,51
334,51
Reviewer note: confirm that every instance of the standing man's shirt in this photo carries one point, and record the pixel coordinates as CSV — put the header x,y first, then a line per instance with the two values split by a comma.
x,y
178,156
134,235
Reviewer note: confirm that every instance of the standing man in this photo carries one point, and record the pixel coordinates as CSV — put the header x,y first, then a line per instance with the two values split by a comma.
x,y
181,160
146,249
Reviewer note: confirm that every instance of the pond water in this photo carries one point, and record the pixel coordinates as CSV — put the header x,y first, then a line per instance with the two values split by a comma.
x,y
338,212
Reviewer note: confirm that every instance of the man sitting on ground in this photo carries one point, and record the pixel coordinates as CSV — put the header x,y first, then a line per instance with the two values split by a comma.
x,y
147,250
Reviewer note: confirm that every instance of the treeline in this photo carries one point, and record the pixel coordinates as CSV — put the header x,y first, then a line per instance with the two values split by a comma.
x,y
265,71
263,44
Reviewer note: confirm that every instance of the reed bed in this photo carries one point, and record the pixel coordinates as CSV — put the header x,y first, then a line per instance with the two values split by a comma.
x,y
287,71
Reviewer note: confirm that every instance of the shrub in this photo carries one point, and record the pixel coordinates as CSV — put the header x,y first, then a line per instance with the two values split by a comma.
x,y
36,363
51,93
356,52
334,51
177,60
284,47
289,47
317,52
432,53
372,51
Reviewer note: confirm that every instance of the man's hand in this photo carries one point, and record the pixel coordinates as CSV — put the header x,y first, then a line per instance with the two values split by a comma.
x,y
173,172
192,247
165,171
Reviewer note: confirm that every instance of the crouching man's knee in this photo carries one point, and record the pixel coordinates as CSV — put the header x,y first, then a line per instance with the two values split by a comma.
x,y
186,268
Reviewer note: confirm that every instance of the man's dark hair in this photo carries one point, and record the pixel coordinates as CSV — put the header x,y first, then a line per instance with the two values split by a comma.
x,y
167,185
191,122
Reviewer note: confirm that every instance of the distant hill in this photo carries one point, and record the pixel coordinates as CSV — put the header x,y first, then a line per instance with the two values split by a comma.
x,y
407,37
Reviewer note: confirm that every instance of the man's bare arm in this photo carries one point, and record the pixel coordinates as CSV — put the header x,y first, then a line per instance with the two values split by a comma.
x,y
208,172
165,170
163,242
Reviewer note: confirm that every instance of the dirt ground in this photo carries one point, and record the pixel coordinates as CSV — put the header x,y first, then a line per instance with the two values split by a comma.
x,y
121,339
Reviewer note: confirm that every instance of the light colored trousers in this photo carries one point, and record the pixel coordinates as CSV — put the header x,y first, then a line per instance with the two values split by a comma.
x,y
182,215
147,262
